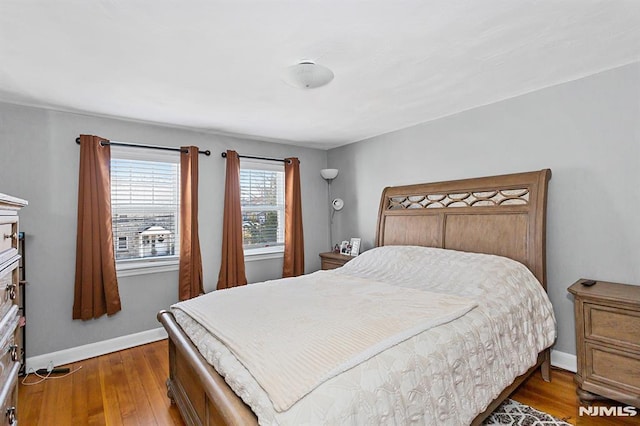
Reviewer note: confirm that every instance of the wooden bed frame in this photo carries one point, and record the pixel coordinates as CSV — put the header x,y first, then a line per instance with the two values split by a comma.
x,y
503,215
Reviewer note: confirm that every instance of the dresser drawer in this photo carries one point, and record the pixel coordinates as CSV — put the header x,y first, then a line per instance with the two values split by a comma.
x,y
613,368
9,351
9,398
9,355
8,287
614,325
8,236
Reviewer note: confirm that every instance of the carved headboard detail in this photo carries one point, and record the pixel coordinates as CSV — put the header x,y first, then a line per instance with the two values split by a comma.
x,y
503,215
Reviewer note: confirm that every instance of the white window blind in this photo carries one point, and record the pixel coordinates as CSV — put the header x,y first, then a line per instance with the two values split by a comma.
x,y
262,203
145,204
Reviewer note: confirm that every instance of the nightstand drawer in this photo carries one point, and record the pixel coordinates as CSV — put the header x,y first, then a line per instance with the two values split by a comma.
x,y
614,368
612,325
331,260
329,264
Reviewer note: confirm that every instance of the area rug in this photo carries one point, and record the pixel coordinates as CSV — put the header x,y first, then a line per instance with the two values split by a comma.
x,y
514,413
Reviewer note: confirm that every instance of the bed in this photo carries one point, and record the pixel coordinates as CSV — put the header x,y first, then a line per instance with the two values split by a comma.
x,y
472,220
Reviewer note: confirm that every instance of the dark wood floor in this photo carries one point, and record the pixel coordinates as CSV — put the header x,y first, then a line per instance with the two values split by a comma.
x,y
128,388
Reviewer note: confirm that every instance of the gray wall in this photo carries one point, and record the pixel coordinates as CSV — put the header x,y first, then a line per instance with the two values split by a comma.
x,y
39,162
587,131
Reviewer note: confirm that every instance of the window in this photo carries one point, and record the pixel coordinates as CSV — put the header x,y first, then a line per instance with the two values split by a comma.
x,y
145,188
262,203
123,244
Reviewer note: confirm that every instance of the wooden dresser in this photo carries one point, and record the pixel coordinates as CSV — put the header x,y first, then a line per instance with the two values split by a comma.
x,y
608,341
9,316
331,260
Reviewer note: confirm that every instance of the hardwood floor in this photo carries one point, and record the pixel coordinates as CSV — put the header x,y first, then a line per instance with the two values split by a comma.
x,y
128,388
122,388
559,399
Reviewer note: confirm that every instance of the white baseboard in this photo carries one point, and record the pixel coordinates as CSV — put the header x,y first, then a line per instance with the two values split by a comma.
x,y
79,353
66,356
564,360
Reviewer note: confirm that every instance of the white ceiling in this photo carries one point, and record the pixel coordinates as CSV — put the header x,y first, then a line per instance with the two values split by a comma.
x,y
217,64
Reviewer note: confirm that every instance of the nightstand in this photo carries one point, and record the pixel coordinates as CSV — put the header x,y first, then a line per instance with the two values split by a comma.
x,y
607,341
331,260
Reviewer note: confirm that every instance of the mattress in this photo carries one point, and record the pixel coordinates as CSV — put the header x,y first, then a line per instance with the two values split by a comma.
x,y
443,376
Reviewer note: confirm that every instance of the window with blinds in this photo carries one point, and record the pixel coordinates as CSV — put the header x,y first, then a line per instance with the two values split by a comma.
x,y
262,203
145,204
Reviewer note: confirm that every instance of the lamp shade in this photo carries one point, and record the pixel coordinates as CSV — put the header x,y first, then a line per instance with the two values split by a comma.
x,y
307,75
329,174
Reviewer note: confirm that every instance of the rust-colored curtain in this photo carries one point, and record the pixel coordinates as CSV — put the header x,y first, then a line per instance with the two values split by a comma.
x,y
293,264
96,284
232,266
190,275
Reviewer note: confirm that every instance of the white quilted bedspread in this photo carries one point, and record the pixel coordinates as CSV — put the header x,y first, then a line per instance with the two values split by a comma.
x,y
443,376
293,334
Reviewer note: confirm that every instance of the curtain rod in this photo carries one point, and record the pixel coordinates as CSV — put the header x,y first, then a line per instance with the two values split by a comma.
x,y
281,160
137,145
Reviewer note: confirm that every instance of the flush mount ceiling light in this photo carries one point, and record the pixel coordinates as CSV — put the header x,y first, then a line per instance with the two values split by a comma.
x,y
307,75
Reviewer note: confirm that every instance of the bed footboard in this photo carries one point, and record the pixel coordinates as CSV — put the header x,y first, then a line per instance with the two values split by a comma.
x,y
201,394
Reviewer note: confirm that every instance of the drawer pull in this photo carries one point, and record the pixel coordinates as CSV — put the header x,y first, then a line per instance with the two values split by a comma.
x,y
11,289
13,349
13,235
11,416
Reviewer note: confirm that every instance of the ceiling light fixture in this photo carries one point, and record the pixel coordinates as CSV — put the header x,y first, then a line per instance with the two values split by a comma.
x,y
307,75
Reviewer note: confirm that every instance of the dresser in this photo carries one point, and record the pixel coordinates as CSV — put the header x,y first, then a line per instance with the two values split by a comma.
x,y
331,260
607,341
9,316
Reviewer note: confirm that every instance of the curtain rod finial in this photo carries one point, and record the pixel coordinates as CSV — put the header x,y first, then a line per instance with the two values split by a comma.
x,y
224,155
78,140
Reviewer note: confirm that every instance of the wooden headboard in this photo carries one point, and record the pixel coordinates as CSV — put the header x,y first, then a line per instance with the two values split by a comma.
x,y
503,215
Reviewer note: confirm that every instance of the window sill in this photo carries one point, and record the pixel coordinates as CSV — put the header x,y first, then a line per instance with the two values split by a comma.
x,y
265,253
142,267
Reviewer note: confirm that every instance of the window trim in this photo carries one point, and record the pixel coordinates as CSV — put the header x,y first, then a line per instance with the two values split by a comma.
x,y
133,267
264,253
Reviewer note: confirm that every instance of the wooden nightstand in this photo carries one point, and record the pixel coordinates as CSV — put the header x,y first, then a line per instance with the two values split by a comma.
x,y
331,260
607,341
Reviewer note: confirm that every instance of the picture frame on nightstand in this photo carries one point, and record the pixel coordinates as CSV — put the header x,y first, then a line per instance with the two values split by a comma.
x,y
344,247
355,247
